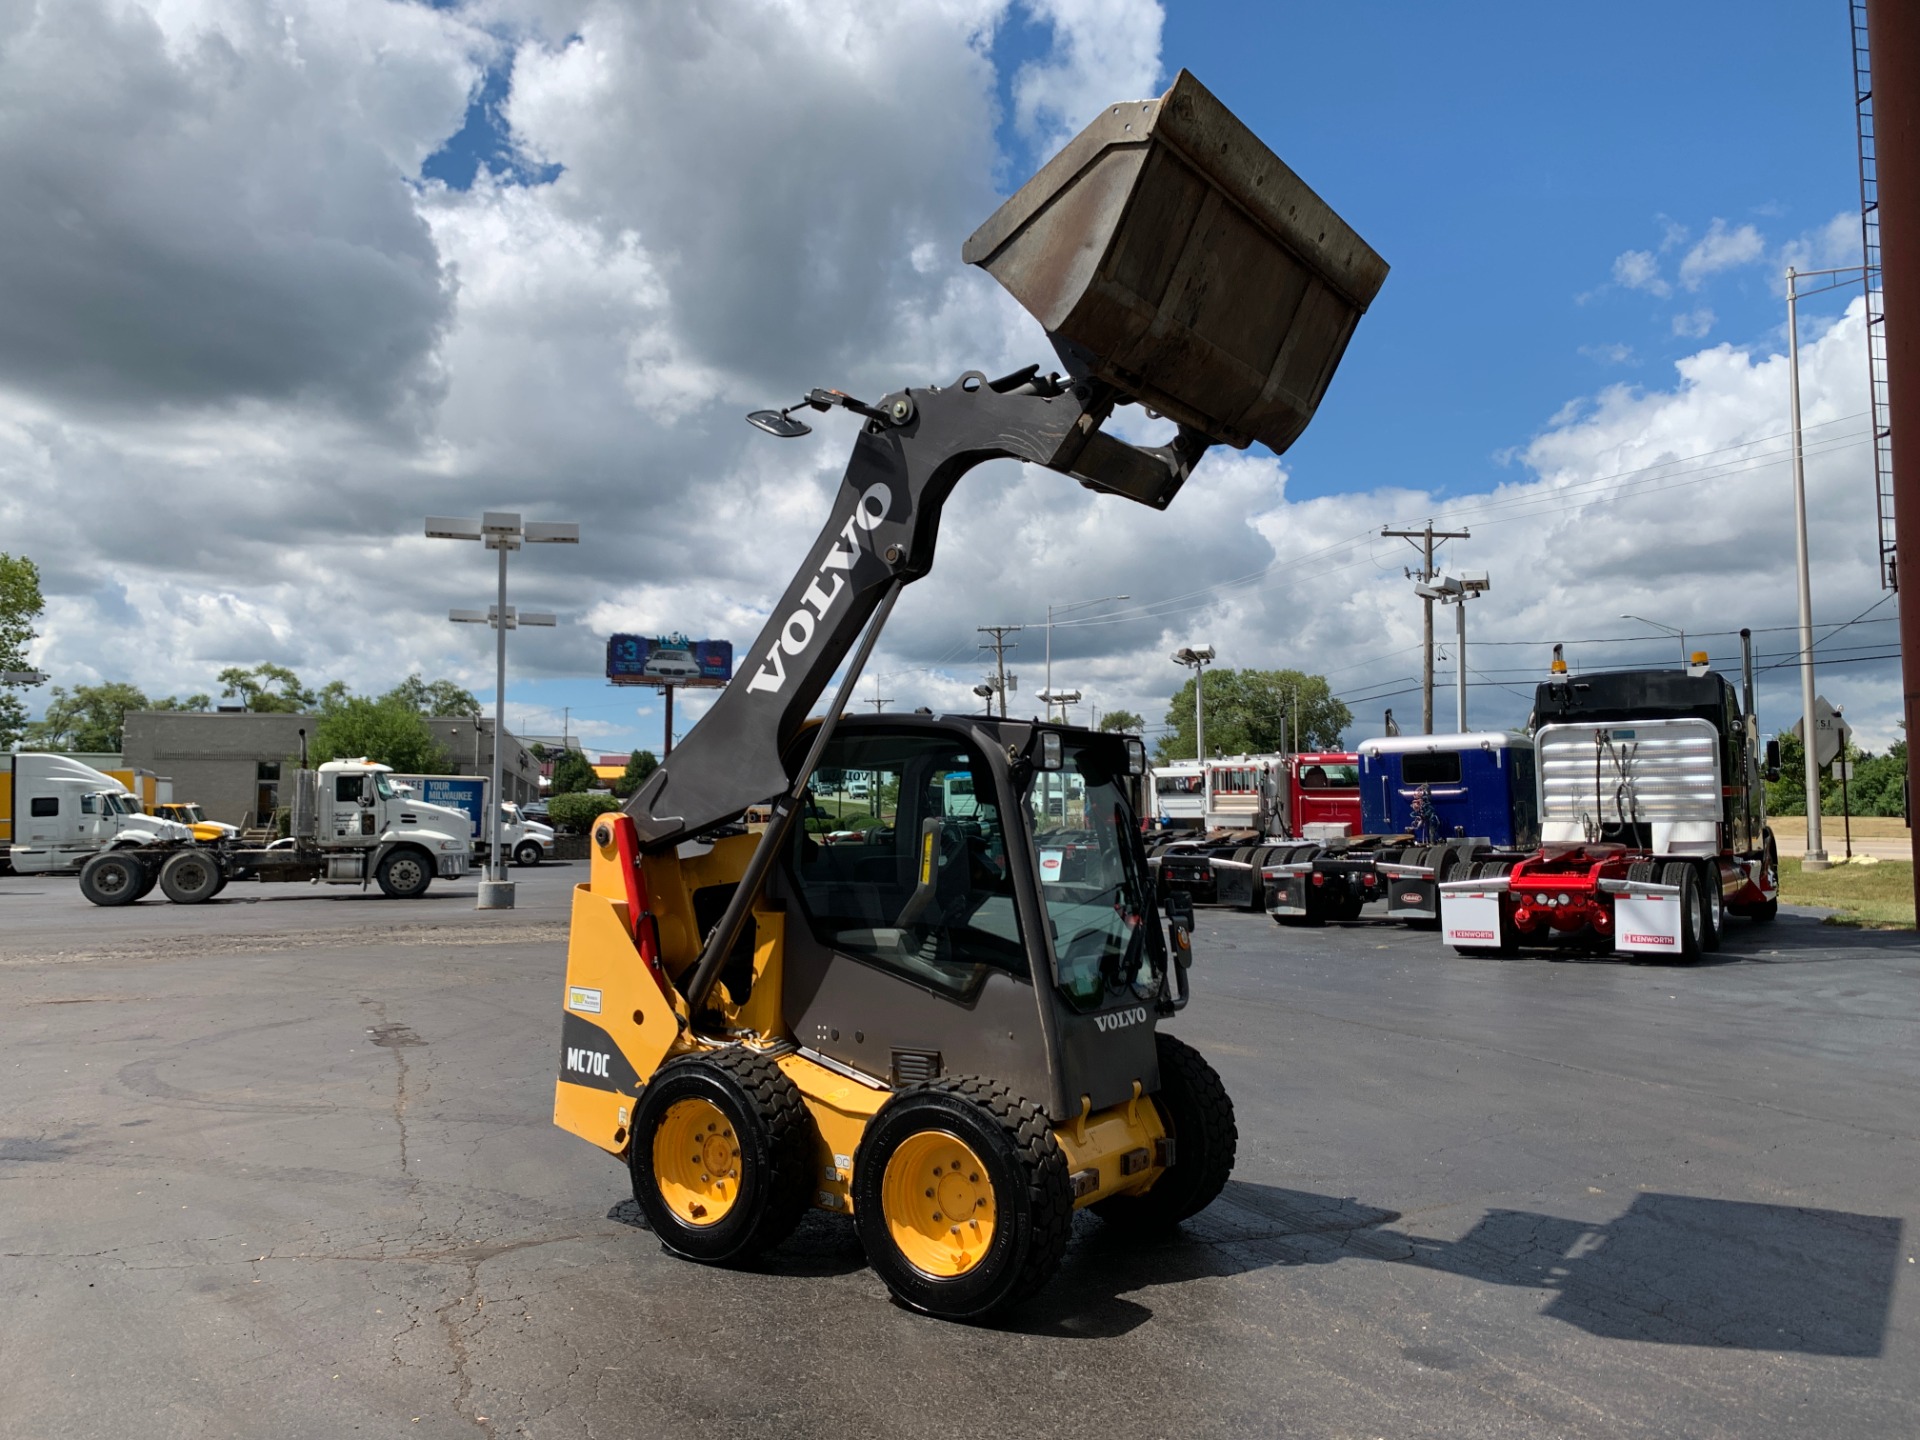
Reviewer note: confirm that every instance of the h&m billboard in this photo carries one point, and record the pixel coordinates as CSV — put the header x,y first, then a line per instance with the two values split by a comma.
x,y
668,660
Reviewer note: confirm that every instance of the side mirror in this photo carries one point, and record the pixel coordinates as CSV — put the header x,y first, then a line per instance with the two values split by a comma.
x,y
1773,759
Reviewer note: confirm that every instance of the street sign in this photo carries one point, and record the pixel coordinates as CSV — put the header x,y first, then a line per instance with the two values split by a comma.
x,y
1830,732
1843,769
24,677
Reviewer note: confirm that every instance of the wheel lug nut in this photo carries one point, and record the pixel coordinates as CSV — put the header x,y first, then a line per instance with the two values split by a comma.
x,y
929,1193
936,1217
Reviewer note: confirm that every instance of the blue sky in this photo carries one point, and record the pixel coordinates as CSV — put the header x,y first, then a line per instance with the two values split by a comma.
x,y
553,249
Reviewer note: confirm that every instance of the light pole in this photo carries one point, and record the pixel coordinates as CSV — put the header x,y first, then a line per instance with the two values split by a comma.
x,y
1053,610
1671,630
502,531
1196,657
1456,590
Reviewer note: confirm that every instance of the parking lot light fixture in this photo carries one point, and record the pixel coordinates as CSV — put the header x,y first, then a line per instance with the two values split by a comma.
x,y
504,531
1196,657
1670,629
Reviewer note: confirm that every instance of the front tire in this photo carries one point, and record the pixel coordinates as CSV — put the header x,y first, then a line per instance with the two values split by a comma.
x,y
1198,1113
526,853
190,878
722,1155
115,878
962,1198
404,874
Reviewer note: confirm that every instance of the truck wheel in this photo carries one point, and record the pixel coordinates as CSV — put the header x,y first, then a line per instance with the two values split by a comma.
x,y
1713,908
190,878
1692,908
527,853
722,1156
149,877
405,874
114,878
1765,912
962,1198
1198,1114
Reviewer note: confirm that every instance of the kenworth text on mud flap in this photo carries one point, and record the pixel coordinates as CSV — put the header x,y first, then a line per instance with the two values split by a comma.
x,y
1431,807
1652,817
949,1029
1259,810
350,826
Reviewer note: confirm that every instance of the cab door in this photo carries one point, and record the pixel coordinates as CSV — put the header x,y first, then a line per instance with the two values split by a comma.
x,y
351,803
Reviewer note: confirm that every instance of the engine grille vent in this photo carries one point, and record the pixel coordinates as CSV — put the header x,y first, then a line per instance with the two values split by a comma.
x,y
915,1067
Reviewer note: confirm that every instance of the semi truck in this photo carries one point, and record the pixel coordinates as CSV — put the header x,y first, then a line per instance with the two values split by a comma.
x,y
1261,810
1652,817
350,826
1430,807
527,841
56,811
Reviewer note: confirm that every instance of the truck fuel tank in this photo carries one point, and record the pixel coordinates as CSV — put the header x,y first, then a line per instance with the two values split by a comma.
x,y
1171,254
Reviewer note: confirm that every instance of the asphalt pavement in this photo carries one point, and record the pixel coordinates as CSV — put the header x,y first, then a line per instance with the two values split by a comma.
x,y
283,1165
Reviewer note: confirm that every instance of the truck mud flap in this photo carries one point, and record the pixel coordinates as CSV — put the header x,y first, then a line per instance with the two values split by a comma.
x,y
1234,883
1287,891
1647,919
1411,897
1470,914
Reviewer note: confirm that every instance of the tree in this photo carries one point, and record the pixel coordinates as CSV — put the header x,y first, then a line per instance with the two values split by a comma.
x,y
198,702
1254,712
332,696
266,688
571,774
20,605
640,765
1122,720
577,811
439,698
88,717
383,731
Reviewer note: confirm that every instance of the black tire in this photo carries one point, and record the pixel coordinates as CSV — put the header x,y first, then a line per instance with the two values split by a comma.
x,y
1683,875
775,1154
151,874
1713,908
405,873
1198,1113
1641,871
1768,910
1023,1185
115,878
526,853
190,878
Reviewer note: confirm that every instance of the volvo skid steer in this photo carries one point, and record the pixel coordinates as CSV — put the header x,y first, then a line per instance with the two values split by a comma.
x,y
942,1020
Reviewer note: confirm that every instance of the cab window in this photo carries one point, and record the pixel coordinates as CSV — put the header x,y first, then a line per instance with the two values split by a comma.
x,y
913,875
346,788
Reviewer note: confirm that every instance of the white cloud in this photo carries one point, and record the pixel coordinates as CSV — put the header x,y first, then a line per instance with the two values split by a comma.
x,y
1720,249
1694,324
728,230
1640,270
1614,353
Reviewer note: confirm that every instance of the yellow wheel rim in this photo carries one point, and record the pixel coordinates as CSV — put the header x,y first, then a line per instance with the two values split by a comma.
x,y
938,1202
696,1161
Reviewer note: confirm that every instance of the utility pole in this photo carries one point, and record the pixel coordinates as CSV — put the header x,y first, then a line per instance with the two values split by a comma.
x,y
999,645
1423,540
880,704
566,717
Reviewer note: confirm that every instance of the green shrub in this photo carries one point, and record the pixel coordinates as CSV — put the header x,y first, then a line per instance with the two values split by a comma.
x,y
576,812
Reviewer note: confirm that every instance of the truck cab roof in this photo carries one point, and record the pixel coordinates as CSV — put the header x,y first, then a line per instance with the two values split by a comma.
x,y
1435,744
1622,695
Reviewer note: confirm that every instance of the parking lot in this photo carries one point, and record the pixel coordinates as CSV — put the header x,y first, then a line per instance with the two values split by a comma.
x,y
283,1165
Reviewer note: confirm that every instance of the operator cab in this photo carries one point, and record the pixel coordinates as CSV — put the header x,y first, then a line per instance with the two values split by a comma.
x,y
984,901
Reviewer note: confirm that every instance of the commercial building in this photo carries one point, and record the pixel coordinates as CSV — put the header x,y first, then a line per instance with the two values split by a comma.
x,y
237,765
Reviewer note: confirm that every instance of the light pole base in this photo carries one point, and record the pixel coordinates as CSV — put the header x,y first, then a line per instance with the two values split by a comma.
x,y
1815,860
495,895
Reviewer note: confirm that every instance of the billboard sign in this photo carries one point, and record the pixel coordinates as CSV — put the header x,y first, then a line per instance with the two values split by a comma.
x,y
668,660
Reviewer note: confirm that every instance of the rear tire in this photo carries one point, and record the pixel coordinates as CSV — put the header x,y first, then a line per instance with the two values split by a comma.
x,y
1692,909
986,1155
1713,909
708,1105
405,874
115,878
190,878
1198,1113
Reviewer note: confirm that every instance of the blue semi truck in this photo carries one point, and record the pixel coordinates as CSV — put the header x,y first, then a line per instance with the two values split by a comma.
x,y
1433,808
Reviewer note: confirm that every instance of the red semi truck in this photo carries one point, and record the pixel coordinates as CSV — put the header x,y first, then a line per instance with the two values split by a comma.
x,y
1265,809
1652,820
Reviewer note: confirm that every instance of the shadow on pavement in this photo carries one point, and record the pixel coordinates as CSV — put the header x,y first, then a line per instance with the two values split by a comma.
x,y
1672,1270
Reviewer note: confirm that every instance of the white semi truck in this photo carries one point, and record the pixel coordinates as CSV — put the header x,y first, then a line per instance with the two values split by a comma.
x,y
350,826
526,841
56,812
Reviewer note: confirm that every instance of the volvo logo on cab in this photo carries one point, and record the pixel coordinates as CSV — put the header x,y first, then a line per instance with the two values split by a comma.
x,y
1120,1019
797,633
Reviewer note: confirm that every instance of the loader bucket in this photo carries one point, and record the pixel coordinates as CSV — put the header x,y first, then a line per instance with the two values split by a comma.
x,y
1172,255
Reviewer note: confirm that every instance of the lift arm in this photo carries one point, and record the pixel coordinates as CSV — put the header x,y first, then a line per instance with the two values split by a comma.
x,y
881,535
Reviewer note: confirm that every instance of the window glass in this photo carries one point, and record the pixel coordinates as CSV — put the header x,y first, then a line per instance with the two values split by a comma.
x,y
1326,774
44,806
267,770
911,874
1437,768
346,787
1093,877
383,785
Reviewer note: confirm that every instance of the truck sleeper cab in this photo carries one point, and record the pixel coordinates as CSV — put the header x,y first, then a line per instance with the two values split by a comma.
x,y
1431,806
